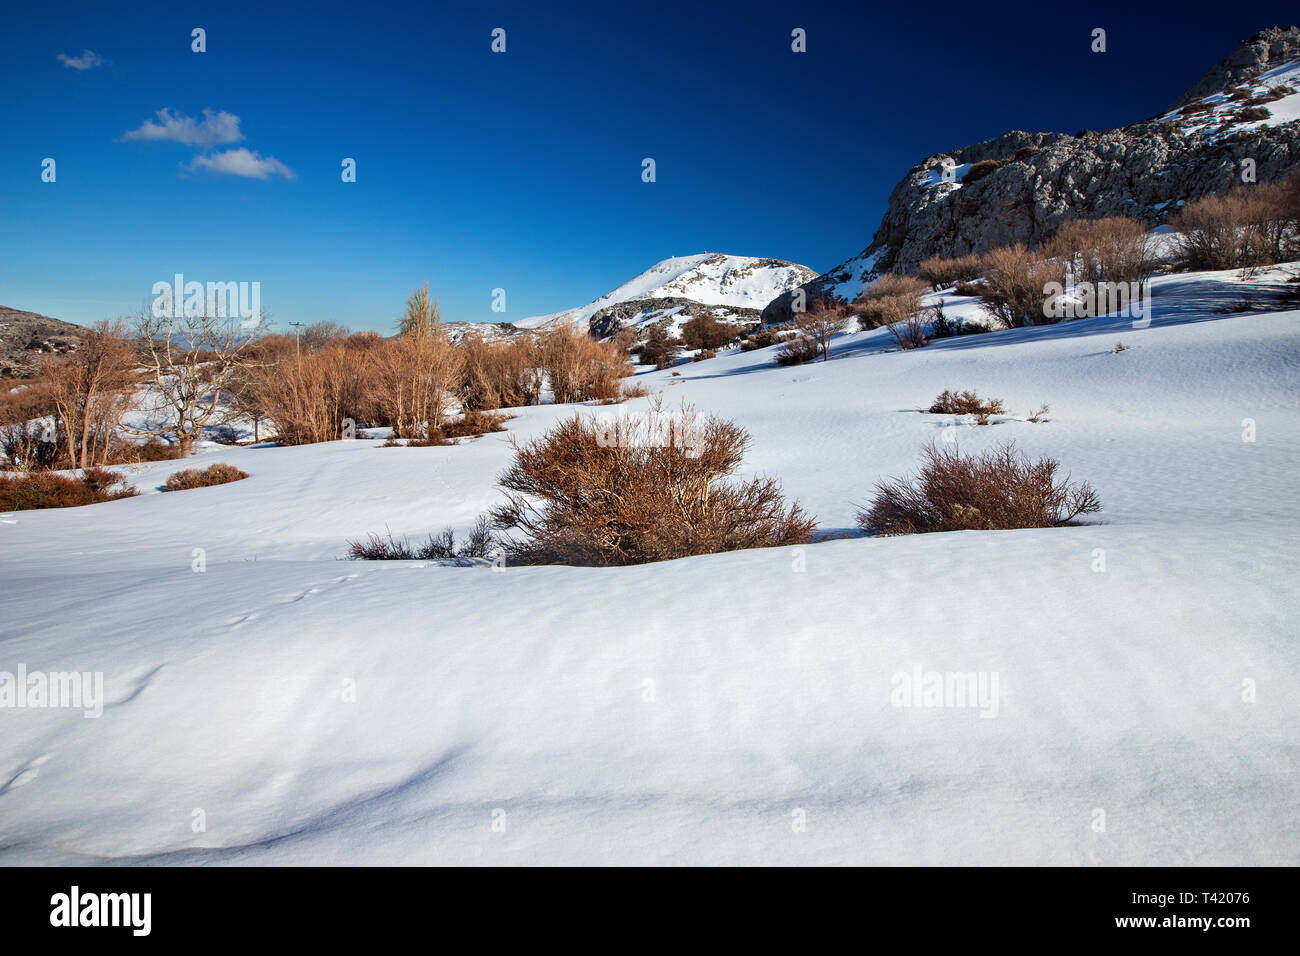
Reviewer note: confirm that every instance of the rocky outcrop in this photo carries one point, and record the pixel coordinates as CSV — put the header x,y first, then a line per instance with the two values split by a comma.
x,y
1265,49
26,336
1021,186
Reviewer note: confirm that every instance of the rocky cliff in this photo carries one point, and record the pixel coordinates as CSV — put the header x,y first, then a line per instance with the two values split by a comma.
x,y
1021,186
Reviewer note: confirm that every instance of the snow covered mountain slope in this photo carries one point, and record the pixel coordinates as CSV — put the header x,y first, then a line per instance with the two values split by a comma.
x,y
313,710
737,286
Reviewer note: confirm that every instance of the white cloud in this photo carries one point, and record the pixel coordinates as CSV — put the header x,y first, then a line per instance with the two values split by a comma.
x,y
213,129
242,162
87,61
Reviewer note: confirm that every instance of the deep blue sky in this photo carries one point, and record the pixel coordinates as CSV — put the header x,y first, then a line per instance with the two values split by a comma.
x,y
523,170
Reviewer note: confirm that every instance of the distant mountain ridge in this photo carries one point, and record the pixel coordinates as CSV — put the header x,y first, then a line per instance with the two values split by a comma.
x,y
729,287
25,336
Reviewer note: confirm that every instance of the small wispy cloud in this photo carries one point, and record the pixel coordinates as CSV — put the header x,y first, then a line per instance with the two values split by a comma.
x,y
212,130
88,60
242,162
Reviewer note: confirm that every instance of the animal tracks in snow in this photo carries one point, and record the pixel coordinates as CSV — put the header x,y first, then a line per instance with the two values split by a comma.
x,y
25,775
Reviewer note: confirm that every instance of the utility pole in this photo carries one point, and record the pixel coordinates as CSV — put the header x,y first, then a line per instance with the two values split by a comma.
x,y
297,335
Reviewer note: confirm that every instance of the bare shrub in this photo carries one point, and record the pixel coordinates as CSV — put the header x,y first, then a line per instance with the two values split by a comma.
x,y
704,331
627,340
888,299
942,273
943,327
996,490
317,335
480,543
640,489
413,381
704,355
760,339
660,348
968,403
1105,250
983,168
89,390
30,436
1014,279
309,397
49,489
473,423
500,374
579,368
218,474
1245,229
824,319
797,350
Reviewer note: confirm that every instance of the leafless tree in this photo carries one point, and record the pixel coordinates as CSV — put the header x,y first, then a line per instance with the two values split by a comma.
x,y
192,360
90,387
821,323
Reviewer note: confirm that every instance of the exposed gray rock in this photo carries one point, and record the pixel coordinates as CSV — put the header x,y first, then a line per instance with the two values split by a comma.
x,y
25,336
1264,50
1144,171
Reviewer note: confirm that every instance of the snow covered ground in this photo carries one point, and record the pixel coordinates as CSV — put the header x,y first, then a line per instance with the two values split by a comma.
x,y
283,705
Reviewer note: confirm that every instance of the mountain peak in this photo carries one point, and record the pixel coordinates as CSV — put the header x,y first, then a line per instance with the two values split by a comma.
x,y
726,285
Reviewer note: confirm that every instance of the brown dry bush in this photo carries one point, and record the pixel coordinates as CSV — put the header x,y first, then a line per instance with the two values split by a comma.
x,y
48,489
500,374
1012,290
413,379
797,350
998,489
89,390
967,403
760,339
660,348
627,340
1105,250
704,331
1246,229
30,437
308,398
908,331
888,299
473,423
983,168
579,368
640,490
218,474
824,319
942,273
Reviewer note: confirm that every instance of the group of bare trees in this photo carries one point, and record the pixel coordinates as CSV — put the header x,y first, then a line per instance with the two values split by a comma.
x,y
157,375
